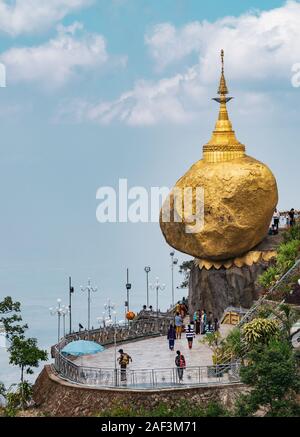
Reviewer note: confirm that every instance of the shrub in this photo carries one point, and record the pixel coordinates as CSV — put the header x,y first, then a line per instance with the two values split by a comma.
x,y
269,277
273,375
260,331
287,255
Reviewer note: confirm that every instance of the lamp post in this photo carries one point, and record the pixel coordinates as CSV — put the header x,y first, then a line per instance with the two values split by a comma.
x,y
174,261
64,311
147,270
57,312
157,286
128,288
108,307
89,289
71,291
102,320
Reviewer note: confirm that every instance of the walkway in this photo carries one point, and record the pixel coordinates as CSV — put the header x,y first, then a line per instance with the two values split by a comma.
x,y
154,353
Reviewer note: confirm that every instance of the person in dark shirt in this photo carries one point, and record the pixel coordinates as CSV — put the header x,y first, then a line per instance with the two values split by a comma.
x,y
171,337
292,217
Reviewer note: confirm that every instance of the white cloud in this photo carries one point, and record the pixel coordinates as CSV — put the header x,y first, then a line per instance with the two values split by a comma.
x,y
257,44
54,62
147,104
260,47
26,16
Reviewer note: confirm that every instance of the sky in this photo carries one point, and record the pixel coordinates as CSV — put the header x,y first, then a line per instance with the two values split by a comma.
x,y
102,90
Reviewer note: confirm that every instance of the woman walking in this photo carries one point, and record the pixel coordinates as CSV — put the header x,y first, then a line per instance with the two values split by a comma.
x,y
171,337
190,335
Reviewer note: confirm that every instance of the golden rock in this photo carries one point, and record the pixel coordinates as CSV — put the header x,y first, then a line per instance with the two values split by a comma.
x,y
240,196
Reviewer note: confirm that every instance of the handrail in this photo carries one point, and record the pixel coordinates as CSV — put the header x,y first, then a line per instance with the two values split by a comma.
x,y
259,303
145,378
247,317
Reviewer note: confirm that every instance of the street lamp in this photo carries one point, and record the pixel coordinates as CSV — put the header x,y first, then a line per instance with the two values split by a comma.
x,y
102,320
157,287
113,323
89,289
147,270
71,291
64,311
128,288
57,312
174,261
108,307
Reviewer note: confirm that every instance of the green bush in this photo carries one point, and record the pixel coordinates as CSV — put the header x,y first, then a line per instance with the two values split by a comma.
x,y
182,409
269,277
292,234
273,375
260,331
287,255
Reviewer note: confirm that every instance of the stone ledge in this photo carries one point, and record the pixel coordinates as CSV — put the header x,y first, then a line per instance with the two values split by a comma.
x,y
57,397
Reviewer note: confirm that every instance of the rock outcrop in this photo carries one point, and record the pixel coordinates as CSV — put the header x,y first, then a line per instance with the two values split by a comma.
x,y
215,290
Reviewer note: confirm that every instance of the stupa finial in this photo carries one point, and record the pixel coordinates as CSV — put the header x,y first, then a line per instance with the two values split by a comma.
x,y
223,90
223,145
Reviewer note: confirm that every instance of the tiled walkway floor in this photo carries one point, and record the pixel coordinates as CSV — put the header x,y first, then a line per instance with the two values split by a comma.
x,y
154,353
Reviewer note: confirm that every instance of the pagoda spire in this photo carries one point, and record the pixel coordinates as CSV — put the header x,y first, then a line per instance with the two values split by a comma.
x,y
223,145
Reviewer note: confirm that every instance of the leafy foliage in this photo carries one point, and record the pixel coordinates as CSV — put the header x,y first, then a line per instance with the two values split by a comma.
x,y
260,331
273,375
269,277
23,351
26,354
233,345
185,269
292,234
182,409
288,253
10,317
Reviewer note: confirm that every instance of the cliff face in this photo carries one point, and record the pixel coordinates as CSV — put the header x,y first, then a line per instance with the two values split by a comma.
x,y
215,290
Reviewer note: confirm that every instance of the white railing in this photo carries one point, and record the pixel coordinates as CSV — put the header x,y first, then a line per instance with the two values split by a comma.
x,y
146,378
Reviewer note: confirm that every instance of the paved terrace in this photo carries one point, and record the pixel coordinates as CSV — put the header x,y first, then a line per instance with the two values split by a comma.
x,y
154,353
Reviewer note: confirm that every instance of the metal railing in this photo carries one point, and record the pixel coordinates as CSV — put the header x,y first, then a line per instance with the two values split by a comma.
x,y
137,330
145,378
286,277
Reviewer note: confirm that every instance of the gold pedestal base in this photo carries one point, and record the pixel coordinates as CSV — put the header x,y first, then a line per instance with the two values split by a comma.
x,y
250,258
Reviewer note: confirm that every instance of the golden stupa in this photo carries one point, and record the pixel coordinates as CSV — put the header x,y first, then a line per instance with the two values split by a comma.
x,y
240,195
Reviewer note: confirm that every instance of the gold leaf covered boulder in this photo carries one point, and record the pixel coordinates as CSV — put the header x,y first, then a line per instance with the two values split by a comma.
x,y
240,195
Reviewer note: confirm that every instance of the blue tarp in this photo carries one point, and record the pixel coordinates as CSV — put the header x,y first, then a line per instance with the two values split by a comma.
x,y
82,347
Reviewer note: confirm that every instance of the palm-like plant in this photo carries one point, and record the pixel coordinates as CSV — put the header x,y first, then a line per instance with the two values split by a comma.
x,y
260,330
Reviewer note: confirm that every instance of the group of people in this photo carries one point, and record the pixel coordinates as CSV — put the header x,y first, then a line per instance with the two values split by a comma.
x,y
201,323
286,220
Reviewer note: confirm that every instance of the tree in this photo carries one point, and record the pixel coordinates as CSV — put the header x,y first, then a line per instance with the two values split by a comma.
x,y
10,317
25,354
273,374
185,269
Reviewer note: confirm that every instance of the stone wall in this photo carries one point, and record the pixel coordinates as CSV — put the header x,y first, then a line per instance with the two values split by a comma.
x,y
56,397
215,290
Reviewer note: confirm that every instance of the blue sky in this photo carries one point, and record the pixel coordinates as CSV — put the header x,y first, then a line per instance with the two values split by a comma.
x,y
98,91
